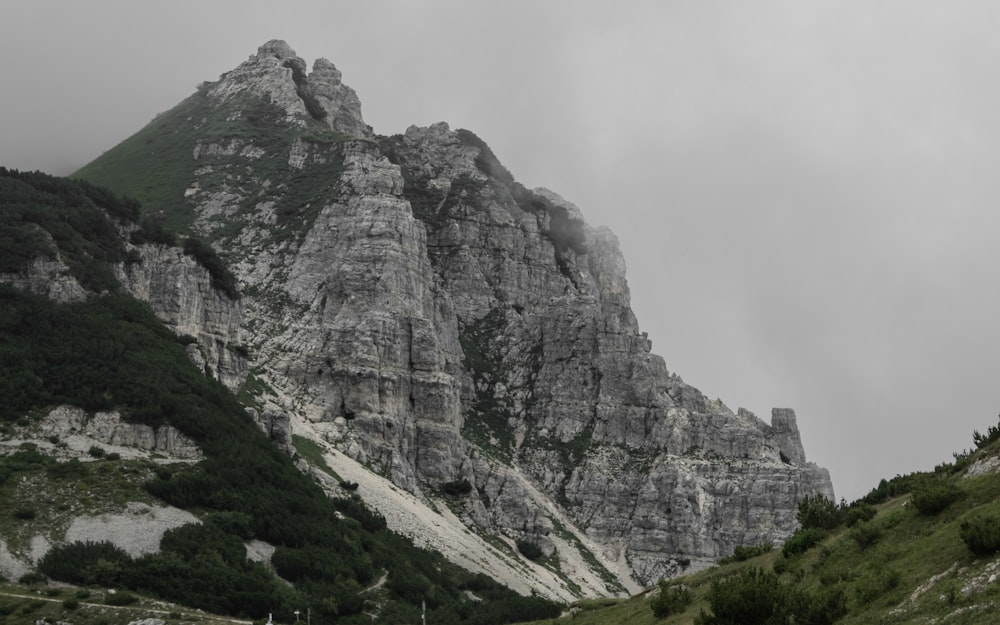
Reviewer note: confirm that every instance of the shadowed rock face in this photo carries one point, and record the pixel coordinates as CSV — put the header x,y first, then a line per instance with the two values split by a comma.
x,y
439,322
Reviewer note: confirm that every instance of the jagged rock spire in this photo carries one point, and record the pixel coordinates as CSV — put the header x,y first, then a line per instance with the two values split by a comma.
x,y
276,72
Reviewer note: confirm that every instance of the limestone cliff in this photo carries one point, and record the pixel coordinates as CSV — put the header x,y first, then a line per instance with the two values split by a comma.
x,y
181,293
458,333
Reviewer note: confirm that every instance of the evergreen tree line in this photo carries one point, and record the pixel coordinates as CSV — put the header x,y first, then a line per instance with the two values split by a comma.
x,y
42,215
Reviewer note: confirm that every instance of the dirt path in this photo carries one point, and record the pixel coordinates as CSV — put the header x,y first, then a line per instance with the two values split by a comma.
x,y
126,608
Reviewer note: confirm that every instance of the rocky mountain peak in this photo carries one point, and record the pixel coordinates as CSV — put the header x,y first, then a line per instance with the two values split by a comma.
x,y
277,73
276,48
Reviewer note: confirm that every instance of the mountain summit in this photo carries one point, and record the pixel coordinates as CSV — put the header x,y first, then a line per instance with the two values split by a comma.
x,y
276,73
453,339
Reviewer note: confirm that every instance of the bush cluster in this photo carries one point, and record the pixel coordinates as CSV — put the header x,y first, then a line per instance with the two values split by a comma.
x,y
121,598
757,597
866,534
875,583
981,534
818,512
934,496
222,278
983,440
673,599
859,512
741,553
43,215
529,549
802,540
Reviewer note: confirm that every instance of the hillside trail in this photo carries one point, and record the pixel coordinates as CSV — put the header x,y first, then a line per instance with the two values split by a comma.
x,y
214,620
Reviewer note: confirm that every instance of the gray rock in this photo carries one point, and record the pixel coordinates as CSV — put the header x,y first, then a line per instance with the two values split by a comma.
x,y
181,294
275,72
68,423
277,425
50,278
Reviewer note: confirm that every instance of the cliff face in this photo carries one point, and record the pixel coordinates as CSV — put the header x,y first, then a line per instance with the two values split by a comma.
x,y
180,292
177,288
452,330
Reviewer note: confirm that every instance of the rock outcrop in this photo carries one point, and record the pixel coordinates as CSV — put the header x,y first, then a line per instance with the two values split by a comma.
x,y
49,278
461,334
275,72
80,430
181,293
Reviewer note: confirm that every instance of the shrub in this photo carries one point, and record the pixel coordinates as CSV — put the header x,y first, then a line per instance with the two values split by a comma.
x,y
31,606
866,534
757,597
935,496
751,597
982,440
95,451
25,514
529,549
802,540
457,487
981,534
152,231
222,279
85,563
858,513
899,485
741,553
781,565
823,606
871,585
71,604
818,512
673,599
121,598
72,468
30,579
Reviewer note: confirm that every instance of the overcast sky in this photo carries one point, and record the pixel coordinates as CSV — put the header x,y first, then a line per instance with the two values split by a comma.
x,y
805,191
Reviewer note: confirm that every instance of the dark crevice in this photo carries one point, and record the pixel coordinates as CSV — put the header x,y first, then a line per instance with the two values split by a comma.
x,y
302,88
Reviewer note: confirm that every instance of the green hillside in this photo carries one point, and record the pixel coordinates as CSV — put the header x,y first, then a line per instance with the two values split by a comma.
x,y
920,548
156,165
110,352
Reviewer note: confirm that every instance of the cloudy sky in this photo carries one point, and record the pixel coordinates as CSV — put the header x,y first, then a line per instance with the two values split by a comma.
x,y
804,190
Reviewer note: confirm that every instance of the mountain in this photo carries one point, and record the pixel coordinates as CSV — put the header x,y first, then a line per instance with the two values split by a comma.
x,y
125,463
452,338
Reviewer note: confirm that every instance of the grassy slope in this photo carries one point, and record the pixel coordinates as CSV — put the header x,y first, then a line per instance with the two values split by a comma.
x,y
917,571
157,164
